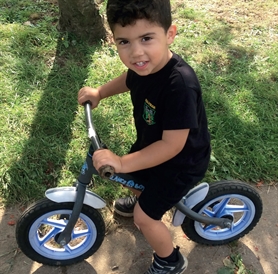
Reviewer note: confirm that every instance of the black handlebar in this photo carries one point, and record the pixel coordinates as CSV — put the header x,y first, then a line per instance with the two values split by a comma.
x,y
105,171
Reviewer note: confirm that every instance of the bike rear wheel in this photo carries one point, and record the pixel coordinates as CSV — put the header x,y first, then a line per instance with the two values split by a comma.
x,y
234,200
40,225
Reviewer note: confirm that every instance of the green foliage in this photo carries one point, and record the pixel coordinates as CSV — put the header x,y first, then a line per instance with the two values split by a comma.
x,y
234,264
43,139
14,11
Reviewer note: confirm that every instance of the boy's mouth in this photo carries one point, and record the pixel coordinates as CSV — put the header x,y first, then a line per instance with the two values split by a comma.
x,y
141,64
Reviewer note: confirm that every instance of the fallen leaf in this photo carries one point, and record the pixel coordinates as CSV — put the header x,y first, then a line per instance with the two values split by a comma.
x,y
11,223
228,263
259,184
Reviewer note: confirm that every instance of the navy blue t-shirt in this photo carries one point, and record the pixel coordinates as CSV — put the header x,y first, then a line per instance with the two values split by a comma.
x,y
167,100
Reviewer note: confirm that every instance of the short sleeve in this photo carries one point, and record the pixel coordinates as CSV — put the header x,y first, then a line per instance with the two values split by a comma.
x,y
180,105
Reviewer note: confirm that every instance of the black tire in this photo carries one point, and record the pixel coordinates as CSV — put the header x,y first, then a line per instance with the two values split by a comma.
x,y
45,219
223,200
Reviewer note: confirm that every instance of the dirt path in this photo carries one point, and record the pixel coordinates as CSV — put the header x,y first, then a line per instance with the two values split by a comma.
x,y
124,250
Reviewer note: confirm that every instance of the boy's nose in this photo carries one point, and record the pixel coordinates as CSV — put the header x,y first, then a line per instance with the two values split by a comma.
x,y
136,50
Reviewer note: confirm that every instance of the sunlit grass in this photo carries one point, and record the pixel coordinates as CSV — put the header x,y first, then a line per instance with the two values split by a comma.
x,y
232,47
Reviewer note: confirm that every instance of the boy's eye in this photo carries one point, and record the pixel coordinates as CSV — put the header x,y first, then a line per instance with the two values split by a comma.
x,y
123,42
146,39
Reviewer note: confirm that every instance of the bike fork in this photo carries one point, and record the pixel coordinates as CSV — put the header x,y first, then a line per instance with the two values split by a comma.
x,y
82,182
65,236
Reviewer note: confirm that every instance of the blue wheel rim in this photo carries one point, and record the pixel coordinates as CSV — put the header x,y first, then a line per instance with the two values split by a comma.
x,y
237,207
46,227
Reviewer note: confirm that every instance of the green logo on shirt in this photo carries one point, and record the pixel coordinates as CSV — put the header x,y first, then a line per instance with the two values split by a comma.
x,y
149,112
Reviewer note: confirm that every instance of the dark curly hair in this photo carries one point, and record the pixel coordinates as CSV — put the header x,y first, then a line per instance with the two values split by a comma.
x,y
126,12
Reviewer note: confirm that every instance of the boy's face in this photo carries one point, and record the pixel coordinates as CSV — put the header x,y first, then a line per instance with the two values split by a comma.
x,y
144,46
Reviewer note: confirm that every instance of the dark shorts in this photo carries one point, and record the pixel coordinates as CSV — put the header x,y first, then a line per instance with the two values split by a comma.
x,y
162,190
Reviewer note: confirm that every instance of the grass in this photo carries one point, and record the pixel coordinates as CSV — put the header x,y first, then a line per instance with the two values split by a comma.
x,y
233,48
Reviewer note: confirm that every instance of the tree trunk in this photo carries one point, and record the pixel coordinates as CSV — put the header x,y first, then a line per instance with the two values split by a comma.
x,y
82,18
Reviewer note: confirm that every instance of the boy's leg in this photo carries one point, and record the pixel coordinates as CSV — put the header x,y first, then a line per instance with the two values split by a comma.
x,y
167,259
155,232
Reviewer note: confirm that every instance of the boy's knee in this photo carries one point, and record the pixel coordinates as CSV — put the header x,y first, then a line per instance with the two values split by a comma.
x,y
141,219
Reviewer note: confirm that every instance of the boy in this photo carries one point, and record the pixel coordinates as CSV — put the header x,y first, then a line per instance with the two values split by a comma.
x,y
172,149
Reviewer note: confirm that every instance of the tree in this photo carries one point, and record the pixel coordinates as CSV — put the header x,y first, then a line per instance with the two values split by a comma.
x,y
82,18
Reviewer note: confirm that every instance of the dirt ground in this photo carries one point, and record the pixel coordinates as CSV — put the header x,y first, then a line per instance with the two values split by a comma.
x,y
125,251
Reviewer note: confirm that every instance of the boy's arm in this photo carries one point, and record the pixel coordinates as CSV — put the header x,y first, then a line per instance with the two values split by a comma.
x,y
157,153
115,86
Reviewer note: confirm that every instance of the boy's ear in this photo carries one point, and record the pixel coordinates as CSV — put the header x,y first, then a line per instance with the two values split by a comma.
x,y
171,34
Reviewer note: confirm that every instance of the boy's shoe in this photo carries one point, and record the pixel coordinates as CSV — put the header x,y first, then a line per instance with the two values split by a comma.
x,y
162,267
125,206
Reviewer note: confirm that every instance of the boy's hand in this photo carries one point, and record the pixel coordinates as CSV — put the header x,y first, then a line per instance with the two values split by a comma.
x,y
104,157
89,94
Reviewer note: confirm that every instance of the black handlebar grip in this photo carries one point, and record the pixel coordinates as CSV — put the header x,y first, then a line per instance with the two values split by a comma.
x,y
106,171
87,102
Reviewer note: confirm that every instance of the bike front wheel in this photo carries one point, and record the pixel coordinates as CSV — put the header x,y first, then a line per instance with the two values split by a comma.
x,y
234,200
41,224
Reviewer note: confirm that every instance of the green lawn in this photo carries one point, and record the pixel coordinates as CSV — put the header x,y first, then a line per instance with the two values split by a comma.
x,y
233,48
